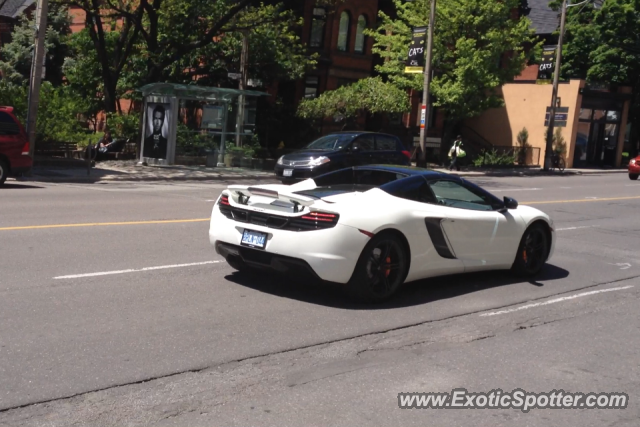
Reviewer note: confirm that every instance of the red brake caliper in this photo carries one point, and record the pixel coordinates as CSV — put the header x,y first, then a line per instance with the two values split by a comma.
x,y
387,270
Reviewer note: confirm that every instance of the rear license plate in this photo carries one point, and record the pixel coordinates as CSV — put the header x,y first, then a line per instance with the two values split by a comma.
x,y
255,239
287,172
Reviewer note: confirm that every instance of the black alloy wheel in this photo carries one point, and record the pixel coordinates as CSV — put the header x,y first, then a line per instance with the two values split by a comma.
x,y
381,269
633,176
532,252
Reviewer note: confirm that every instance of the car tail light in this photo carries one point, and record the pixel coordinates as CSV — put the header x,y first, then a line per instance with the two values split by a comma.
x,y
313,221
26,149
406,153
318,216
224,200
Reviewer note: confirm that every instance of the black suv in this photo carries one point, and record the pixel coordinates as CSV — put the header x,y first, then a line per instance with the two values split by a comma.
x,y
340,150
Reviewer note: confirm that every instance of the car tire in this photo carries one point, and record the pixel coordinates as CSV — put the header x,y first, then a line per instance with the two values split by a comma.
x,y
4,171
377,277
533,251
633,176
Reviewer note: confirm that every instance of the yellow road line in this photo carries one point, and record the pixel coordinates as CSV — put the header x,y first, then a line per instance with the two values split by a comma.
x,y
176,221
98,224
581,200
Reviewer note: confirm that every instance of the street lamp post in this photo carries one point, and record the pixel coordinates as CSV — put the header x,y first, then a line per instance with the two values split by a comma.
x,y
556,77
554,93
424,124
36,74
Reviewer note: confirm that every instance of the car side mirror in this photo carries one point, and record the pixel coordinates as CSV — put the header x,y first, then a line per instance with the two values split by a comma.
x,y
510,203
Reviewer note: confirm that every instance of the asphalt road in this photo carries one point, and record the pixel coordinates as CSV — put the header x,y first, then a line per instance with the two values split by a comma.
x,y
115,310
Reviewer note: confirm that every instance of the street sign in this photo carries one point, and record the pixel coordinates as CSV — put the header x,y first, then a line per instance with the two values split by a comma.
x,y
561,116
423,116
234,76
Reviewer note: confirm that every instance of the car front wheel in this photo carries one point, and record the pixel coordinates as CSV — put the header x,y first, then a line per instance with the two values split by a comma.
x,y
532,251
633,176
381,269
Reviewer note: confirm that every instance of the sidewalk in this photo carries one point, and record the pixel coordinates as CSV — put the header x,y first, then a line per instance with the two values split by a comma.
x,y
127,170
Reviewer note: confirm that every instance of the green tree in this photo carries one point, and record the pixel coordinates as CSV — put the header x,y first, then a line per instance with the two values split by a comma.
x,y
16,55
370,95
602,45
194,35
477,47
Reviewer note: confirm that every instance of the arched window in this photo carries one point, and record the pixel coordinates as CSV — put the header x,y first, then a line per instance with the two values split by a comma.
x,y
343,31
360,37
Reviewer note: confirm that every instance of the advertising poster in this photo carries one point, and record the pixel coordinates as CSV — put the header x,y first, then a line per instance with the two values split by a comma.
x,y
546,67
157,130
415,62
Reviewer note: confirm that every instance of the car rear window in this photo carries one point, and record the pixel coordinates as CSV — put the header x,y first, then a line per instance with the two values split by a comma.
x,y
8,126
332,190
385,143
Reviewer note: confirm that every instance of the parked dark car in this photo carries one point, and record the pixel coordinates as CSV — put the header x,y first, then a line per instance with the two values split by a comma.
x,y
340,150
14,146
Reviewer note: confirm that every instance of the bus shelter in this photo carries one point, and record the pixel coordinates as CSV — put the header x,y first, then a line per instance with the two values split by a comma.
x,y
223,118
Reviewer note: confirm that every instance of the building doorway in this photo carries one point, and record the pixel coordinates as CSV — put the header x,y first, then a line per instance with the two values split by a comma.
x,y
597,138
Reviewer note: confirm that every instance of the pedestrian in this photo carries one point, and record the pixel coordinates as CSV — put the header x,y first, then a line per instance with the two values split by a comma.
x,y
456,152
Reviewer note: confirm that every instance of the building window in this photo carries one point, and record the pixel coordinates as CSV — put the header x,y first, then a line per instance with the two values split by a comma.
x,y
360,37
318,22
343,31
311,87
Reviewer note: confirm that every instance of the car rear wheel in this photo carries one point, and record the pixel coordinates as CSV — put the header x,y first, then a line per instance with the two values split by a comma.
x,y
381,269
4,171
532,252
633,176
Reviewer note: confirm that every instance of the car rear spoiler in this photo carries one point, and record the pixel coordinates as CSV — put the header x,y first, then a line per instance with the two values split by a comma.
x,y
246,190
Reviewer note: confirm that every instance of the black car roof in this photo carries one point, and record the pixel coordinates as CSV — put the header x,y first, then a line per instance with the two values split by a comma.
x,y
408,170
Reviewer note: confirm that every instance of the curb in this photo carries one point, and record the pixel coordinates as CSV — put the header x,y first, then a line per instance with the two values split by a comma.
x,y
93,180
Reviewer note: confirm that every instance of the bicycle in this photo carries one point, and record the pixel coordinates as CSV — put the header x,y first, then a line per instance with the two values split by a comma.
x,y
557,162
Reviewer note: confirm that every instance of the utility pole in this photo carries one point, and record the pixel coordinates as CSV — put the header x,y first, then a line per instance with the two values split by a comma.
x,y
554,94
244,59
36,74
422,160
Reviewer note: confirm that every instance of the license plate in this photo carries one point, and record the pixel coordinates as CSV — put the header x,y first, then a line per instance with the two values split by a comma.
x,y
255,239
287,172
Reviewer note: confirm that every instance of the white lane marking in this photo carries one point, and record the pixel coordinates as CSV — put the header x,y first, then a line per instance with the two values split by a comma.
x,y
622,265
593,198
514,189
160,267
553,301
574,228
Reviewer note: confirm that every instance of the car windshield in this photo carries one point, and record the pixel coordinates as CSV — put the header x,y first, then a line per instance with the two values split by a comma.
x,y
331,142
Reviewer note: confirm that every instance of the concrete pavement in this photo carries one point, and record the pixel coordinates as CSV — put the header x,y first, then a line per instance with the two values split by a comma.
x,y
127,170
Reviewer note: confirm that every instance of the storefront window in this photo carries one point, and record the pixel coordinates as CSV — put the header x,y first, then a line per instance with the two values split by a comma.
x,y
613,116
599,114
582,138
585,114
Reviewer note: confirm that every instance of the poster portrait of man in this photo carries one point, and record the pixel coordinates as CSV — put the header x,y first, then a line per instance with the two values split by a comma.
x,y
157,130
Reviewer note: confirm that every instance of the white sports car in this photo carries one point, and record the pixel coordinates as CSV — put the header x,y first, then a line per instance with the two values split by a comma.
x,y
373,228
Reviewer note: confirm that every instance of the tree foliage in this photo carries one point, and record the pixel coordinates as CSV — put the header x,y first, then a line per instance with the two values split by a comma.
x,y
16,55
371,94
602,45
477,47
181,40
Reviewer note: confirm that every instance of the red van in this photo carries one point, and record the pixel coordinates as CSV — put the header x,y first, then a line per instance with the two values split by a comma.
x,y
14,146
